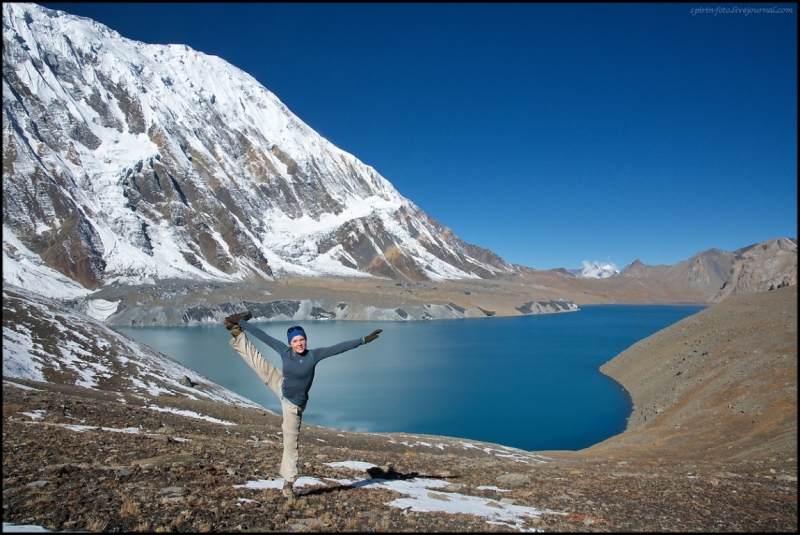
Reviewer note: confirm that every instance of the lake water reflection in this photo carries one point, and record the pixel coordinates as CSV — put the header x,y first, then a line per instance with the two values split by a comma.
x,y
530,382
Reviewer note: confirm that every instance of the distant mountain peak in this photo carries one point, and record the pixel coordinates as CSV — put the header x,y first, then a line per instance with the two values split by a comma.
x,y
596,270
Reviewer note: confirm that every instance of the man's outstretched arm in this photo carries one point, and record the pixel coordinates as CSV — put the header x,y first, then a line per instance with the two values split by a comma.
x,y
274,343
325,352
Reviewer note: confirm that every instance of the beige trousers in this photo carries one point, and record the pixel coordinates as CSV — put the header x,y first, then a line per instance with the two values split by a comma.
x,y
292,414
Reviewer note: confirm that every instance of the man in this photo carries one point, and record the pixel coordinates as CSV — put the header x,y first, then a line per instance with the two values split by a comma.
x,y
292,384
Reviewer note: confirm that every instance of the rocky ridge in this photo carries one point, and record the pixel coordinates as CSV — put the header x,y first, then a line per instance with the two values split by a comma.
x,y
179,303
721,274
761,267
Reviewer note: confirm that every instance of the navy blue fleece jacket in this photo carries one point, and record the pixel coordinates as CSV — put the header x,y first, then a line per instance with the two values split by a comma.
x,y
298,370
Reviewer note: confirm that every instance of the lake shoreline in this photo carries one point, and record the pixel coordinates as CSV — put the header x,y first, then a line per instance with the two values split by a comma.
x,y
180,302
548,353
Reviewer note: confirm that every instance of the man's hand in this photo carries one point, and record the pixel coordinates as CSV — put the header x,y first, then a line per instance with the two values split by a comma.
x,y
372,336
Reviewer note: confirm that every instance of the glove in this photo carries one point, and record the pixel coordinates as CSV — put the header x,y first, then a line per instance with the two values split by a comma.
x,y
372,336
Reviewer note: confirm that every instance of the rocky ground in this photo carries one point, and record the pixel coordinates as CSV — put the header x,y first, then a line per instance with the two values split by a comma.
x,y
179,473
133,468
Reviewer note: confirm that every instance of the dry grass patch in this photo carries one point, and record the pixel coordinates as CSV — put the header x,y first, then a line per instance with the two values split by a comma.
x,y
96,525
130,508
11,409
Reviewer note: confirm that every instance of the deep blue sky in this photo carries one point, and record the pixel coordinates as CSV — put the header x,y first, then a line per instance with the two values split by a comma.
x,y
551,134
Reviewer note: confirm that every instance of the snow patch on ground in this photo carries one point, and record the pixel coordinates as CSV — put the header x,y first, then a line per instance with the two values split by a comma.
x,y
418,496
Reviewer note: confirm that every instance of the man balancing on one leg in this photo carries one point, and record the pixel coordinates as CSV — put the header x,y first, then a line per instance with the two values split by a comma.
x,y
292,385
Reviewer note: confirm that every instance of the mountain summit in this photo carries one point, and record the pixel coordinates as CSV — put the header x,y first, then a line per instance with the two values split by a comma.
x,y
128,162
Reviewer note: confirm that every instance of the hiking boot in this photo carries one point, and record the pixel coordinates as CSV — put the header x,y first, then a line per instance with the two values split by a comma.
x,y
234,319
288,490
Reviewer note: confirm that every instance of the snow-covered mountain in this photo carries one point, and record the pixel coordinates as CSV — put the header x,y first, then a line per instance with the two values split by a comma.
x,y
595,270
130,162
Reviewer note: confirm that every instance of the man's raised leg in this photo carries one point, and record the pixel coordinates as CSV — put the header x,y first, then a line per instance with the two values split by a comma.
x,y
268,373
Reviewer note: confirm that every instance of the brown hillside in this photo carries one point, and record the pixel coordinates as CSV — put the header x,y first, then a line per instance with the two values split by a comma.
x,y
721,384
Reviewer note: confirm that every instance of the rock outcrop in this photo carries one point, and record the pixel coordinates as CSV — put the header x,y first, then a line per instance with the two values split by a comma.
x,y
760,268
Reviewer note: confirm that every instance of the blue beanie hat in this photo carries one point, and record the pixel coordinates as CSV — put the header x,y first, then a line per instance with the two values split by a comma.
x,y
295,331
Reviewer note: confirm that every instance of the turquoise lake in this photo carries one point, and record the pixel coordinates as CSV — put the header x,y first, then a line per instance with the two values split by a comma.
x,y
530,382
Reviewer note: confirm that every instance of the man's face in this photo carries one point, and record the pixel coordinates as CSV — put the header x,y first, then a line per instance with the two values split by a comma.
x,y
298,344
